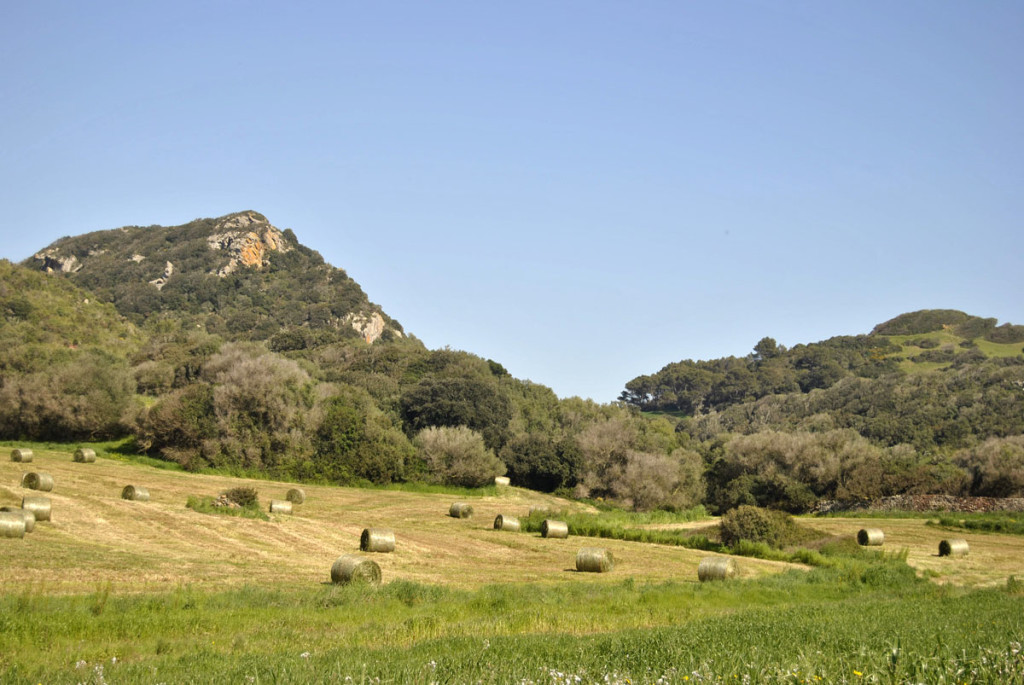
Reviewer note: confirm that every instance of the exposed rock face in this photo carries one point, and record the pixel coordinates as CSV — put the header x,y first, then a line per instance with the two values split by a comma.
x,y
205,251
162,281
247,238
370,326
54,261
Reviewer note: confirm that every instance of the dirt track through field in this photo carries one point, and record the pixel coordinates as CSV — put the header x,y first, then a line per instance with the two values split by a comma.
x,y
96,538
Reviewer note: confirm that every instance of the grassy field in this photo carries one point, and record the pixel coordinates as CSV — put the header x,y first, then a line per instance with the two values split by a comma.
x,y
944,338
113,591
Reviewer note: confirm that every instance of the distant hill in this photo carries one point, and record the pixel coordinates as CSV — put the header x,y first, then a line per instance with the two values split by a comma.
x,y
934,379
236,276
920,341
960,324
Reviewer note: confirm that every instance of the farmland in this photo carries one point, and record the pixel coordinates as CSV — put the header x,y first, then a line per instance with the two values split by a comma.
x,y
120,591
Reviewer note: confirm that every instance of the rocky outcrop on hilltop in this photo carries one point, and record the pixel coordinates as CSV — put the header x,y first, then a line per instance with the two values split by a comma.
x,y
237,276
247,239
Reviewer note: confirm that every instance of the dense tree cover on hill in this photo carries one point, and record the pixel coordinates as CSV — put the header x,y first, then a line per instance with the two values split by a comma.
x,y
928,402
854,417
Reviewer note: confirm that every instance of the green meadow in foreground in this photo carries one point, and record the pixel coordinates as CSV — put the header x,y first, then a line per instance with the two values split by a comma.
x,y
864,622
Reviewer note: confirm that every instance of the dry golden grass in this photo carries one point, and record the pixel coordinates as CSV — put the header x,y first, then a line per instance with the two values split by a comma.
x,y
993,557
96,538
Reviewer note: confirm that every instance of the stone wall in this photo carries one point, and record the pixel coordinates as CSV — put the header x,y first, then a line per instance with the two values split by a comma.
x,y
924,503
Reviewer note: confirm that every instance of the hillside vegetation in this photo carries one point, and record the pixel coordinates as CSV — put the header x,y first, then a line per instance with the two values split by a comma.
x,y
929,402
226,344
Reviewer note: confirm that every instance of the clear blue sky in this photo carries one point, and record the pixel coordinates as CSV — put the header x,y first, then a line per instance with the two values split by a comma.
x,y
584,191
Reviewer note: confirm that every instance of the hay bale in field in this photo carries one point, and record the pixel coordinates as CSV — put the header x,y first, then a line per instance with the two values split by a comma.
x,y
11,525
594,560
460,510
296,496
24,456
30,518
716,568
870,537
84,455
502,481
554,529
954,548
377,540
37,481
136,493
40,506
280,506
502,522
351,568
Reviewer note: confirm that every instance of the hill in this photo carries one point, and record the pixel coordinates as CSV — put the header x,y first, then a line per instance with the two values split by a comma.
x,y
929,402
236,276
942,339
256,356
64,369
225,343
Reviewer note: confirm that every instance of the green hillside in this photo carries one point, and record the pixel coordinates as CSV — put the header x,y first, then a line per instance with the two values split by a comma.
x,y
237,276
226,344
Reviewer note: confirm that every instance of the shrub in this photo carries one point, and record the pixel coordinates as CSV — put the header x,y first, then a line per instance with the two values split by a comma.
x,y
537,462
889,574
243,496
458,456
773,528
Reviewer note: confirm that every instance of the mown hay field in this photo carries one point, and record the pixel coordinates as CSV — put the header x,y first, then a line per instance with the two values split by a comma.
x,y
114,590
97,537
993,557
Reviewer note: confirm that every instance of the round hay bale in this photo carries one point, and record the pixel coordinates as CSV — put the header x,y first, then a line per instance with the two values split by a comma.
x,y
350,568
460,510
11,525
502,522
502,481
594,560
24,456
37,481
30,518
280,506
717,568
377,540
953,548
40,506
136,493
296,496
870,537
84,455
554,529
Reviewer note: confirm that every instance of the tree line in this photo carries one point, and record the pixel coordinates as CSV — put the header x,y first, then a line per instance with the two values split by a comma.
x,y
781,427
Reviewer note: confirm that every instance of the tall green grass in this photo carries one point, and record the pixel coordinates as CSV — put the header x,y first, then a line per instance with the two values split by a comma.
x,y
995,522
821,626
620,526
